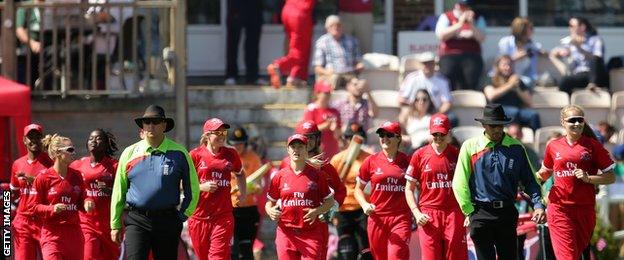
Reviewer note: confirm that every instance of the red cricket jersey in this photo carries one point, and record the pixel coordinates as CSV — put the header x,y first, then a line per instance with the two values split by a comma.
x,y
387,181
218,168
586,154
297,192
329,143
53,189
333,179
27,193
434,172
355,6
92,175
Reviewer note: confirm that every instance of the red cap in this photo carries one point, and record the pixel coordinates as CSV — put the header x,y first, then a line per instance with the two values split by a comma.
x,y
306,127
214,124
390,127
439,123
298,137
31,127
322,87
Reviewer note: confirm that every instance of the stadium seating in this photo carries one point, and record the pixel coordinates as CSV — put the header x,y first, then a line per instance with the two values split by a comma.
x,y
542,135
468,104
381,71
548,104
616,80
597,105
617,109
409,63
463,133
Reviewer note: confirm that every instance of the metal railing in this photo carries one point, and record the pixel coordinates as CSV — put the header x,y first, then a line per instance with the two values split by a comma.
x,y
94,47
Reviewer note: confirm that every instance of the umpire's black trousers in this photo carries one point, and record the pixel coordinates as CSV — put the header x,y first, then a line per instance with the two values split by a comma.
x,y
158,231
493,231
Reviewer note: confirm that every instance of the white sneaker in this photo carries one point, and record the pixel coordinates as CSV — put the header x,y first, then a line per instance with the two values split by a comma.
x,y
262,82
230,81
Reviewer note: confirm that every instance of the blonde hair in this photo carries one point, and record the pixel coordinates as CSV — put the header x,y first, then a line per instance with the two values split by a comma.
x,y
52,143
587,131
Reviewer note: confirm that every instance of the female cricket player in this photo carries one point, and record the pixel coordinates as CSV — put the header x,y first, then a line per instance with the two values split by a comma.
x,y
575,160
389,217
211,227
98,173
442,234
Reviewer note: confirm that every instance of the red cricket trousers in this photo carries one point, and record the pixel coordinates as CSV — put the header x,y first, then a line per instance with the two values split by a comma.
x,y
389,236
212,237
444,236
571,228
295,243
99,246
298,27
26,237
62,242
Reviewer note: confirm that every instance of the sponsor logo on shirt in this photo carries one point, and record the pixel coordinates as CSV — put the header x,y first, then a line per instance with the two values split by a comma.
x,y
52,191
557,156
585,156
202,165
442,182
427,168
312,185
378,171
568,172
392,185
511,162
285,187
297,201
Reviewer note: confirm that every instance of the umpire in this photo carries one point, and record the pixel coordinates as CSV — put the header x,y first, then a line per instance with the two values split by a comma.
x,y
147,189
489,170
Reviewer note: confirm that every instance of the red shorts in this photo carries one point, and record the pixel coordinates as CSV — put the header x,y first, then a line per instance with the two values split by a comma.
x,y
212,238
26,237
444,236
389,236
99,246
295,244
62,242
571,228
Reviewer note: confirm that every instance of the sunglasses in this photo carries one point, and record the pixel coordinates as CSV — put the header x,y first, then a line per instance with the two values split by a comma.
x,y
422,99
438,135
219,132
574,120
384,134
153,121
68,149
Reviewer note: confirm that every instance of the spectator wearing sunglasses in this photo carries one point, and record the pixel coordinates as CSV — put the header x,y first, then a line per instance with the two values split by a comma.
x,y
98,172
211,227
26,225
578,163
151,175
60,195
416,121
389,218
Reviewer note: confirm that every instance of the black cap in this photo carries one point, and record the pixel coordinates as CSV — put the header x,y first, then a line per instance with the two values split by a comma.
x,y
237,135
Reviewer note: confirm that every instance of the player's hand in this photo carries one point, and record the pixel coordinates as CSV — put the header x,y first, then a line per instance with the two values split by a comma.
x,y
274,212
311,215
582,175
89,206
539,216
368,209
209,186
59,207
116,235
421,218
467,221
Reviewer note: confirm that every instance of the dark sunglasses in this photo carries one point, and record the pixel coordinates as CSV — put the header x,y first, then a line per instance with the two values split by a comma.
x,y
574,120
422,99
384,134
153,121
218,132
438,135
68,149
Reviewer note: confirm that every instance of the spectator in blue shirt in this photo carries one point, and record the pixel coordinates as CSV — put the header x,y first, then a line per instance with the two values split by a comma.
x,y
522,50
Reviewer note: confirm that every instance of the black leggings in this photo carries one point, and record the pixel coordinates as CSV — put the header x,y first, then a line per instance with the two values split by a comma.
x,y
462,70
246,221
353,238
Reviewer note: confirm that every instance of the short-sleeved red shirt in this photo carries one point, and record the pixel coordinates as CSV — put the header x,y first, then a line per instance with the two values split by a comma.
x,y
333,179
53,189
296,192
387,179
434,172
94,175
563,158
27,191
218,168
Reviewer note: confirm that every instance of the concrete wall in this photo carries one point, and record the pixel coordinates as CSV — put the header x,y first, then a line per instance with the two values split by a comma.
x,y
77,117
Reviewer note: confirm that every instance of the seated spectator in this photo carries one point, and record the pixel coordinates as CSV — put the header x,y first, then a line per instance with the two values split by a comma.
x,y
506,88
416,121
337,56
515,131
461,32
327,119
607,131
428,79
583,52
354,108
522,50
